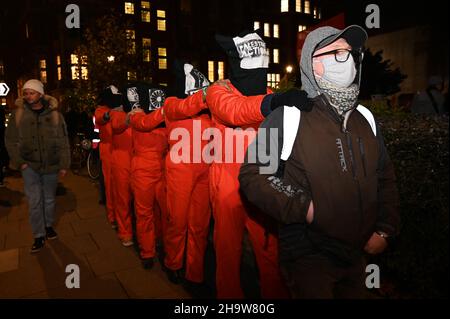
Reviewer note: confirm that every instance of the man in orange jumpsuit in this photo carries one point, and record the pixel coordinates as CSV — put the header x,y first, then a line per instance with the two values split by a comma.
x,y
122,147
149,149
110,98
187,177
235,107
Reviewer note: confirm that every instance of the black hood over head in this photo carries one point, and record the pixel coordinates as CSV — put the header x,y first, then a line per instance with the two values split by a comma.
x,y
188,80
248,60
110,97
142,95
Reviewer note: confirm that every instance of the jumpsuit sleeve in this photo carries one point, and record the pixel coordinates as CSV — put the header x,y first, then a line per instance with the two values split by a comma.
x,y
146,122
268,190
388,219
12,143
233,109
176,109
118,123
99,113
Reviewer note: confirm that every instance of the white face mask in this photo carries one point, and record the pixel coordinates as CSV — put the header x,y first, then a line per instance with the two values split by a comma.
x,y
342,74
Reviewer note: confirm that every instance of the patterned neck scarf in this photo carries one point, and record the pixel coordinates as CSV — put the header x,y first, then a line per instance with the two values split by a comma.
x,y
342,99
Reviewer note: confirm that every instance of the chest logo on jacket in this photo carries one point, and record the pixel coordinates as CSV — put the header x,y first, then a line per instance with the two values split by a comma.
x,y
341,155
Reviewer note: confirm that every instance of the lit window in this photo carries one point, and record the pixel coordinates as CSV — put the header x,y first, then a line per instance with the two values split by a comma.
x,y
4,103
43,70
276,31
129,8
307,7
161,13
315,13
145,16
74,59
146,54
146,42
273,80
58,65
256,25
266,30
211,71
145,4
131,75
161,25
220,70
162,52
162,63
131,36
163,84
301,28
77,72
319,14
284,5
276,56
298,5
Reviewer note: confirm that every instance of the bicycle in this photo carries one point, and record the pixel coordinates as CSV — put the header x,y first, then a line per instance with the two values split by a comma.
x,y
84,154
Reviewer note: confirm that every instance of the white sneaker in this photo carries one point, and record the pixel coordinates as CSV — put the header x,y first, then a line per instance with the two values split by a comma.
x,y
127,243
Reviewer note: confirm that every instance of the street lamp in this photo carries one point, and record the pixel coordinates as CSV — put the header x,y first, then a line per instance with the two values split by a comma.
x,y
110,58
289,69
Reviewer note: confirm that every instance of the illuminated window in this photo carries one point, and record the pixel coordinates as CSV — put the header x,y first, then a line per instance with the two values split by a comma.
x,y
131,75
58,67
146,42
276,31
162,52
43,70
220,70
298,5
163,84
315,12
161,13
161,25
145,4
256,25
266,30
146,54
273,80
276,56
162,63
319,14
145,16
211,71
284,5
4,103
307,7
129,8
79,67
301,28
131,36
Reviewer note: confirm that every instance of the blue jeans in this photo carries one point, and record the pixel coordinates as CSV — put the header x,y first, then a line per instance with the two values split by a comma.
x,y
40,190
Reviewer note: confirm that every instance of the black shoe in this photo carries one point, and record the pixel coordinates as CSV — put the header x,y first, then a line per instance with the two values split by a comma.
x,y
51,234
147,263
38,244
174,276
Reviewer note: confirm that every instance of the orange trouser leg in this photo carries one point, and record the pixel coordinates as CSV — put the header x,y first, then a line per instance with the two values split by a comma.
x,y
265,248
161,208
122,198
180,182
198,226
229,223
146,173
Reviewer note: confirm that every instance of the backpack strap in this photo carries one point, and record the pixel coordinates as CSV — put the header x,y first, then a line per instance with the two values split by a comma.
x,y
291,122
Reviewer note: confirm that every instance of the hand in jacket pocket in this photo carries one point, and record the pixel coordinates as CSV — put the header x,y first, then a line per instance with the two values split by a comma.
x,y
375,245
310,214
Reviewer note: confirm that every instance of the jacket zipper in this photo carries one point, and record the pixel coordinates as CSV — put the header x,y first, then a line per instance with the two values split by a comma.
x,y
363,155
350,150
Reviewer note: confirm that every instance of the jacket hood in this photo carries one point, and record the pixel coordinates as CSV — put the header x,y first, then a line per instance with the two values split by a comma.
x,y
47,100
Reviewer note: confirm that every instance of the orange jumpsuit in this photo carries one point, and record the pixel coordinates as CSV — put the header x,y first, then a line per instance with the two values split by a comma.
x,y
121,173
149,149
187,187
106,158
232,215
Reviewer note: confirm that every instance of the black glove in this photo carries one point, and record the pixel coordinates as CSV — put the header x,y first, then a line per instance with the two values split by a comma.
x,y
292,97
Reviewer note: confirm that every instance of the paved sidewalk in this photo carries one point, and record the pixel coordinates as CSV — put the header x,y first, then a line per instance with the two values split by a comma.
x,y
107,269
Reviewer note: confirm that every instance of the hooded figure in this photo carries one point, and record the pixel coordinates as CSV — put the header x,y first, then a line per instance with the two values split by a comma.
x,y
143,96
109,98
236,107
248,61
149,141
336,197
188,225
